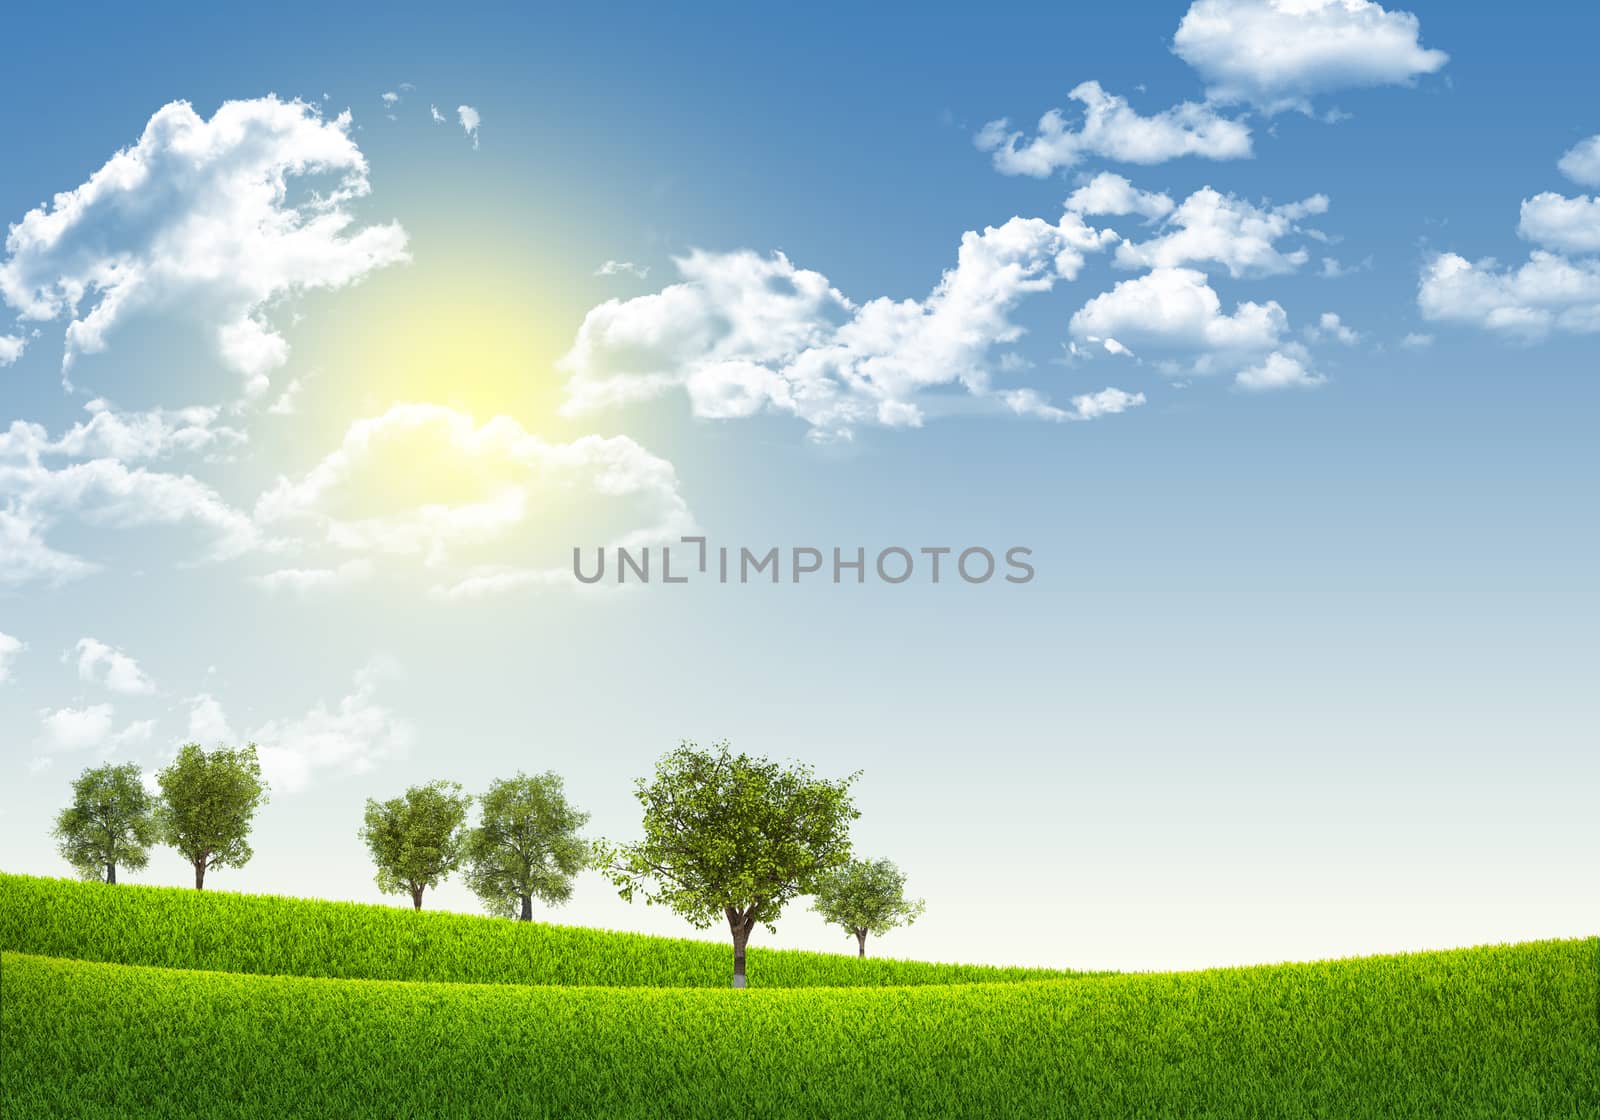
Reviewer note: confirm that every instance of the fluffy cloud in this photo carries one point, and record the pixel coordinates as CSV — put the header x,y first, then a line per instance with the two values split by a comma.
x,y
1556,289
214,218
1174,309
125,436
1173,316
9,648
425,486
1567,225
1279,54
349,737
1110,193
470,120
75,729
1330,327
1548,293
11,348
1581,163
1112,129
1278,371
1087,406
208,723
742,333
1209,227
105,665
619,268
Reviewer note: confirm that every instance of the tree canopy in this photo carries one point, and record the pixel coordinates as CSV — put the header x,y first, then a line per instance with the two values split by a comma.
x,y
733,836
209,799
526,845
111,822
866,897
418,838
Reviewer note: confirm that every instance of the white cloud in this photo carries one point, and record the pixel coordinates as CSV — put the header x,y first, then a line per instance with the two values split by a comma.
x,y
438,117
742,334
9,648
125,436
1279,54
1174,309
470,120
66,730
1086,406
390,99
1213,227
618,268
1417,341
305,581
1548,293
1112,129
208,723
1567,225
1330,326
26,558
121,673
1278,371
425,487
1110,193
350,737
210,217
1581,163
11,348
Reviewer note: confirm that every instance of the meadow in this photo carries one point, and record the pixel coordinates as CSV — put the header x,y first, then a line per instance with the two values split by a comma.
x,y
91,1026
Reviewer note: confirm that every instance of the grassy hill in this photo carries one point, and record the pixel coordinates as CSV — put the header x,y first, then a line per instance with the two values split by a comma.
x,y
1507,1031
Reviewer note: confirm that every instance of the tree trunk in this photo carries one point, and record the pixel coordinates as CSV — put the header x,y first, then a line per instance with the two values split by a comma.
x,y
740,925
111,873
416,898
527,908
861,943
200,874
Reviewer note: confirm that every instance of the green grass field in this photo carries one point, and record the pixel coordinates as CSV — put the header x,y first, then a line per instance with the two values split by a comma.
x,y
90,1027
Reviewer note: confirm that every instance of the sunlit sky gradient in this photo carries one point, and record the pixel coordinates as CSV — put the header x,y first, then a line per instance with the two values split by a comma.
x,y
1304,672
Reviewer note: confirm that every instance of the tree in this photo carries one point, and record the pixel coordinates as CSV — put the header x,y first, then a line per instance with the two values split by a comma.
x,y
731,836
416,839
110,822
526,845
866,897
208,801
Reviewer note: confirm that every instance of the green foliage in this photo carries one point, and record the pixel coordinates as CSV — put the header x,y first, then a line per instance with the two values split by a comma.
x,y
110,823
732,836
208,799
866,897
174,928
416,839
526,845
1491,1033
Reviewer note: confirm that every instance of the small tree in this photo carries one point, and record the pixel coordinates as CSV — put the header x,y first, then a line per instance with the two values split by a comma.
x,y
527,845
416,839
110,822
208,801
866,897
734,837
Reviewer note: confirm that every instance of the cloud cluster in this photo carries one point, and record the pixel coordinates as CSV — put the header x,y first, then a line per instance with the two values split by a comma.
x,y
476,508
1557,289
349,737
742,333
1218,228
109,667
214,220
1107,127
1276,55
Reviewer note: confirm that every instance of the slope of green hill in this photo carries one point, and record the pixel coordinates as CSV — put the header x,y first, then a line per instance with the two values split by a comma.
x,y
1495,1032
174,927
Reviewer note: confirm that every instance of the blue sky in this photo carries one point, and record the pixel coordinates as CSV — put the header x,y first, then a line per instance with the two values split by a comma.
x,y
1306,668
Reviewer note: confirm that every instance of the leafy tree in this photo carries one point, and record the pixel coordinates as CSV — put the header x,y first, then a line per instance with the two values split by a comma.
x,y
732,836
866,897
527,845
417,839
110,822
208,801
